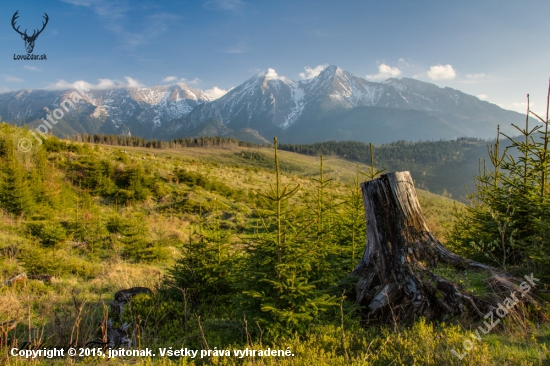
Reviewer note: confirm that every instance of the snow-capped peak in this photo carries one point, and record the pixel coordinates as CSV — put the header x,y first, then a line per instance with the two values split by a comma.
x,y
331,70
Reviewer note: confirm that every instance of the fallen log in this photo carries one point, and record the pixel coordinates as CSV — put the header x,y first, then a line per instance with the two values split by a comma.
x,y
397,273
41,277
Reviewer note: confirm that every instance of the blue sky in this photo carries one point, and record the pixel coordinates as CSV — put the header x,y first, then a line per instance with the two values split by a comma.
x,y
497,50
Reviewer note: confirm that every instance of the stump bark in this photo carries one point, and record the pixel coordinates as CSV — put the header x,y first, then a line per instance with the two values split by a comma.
x,y
396,278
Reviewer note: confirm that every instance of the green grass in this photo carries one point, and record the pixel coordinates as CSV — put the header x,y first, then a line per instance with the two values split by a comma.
x,y
473,282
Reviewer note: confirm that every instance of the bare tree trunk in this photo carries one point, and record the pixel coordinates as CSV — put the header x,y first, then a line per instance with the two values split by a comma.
x,y
396,278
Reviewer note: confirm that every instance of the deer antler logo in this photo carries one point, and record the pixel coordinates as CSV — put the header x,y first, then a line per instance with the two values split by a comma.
x,y
29,40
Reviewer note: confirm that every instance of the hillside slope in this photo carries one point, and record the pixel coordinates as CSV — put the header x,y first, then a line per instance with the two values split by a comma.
x,y
84,221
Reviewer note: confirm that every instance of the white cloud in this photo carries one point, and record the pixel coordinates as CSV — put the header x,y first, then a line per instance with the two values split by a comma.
x,y
104,8
62,84
195,81
441,72
133,83
271,74
523,105
12,79
102,84
170,79
312,72
235,6
32,68
482,96
114,13
475,76
215,92
403,63
79,2
240,48
385,72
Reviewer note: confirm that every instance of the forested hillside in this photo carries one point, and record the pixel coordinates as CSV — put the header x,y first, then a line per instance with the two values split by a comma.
x,y
442,167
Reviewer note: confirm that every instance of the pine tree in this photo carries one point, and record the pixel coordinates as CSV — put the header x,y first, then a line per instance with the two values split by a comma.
x,y
278,291
351,231
50,233
136,239
507,219
321,209
15,194
207,268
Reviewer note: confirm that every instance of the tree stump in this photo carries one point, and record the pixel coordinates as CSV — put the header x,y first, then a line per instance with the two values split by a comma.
x,y
396,273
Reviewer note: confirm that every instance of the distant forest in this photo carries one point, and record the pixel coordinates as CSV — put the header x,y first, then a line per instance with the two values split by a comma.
x,y
427,152
136,141
442,167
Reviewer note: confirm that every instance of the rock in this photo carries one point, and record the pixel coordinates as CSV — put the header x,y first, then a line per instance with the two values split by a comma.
x,y
19,278
126,295
116,337
123,297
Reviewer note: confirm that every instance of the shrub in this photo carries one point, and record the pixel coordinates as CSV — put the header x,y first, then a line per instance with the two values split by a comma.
x,y
50,233
507,220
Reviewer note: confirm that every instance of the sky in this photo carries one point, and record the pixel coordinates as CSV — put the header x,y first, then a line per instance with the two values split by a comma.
x,y
495,50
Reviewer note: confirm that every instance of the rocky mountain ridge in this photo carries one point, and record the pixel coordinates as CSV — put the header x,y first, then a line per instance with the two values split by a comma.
x,y
334,105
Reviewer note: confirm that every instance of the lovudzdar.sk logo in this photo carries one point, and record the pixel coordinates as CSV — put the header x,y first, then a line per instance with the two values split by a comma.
x,y
29,40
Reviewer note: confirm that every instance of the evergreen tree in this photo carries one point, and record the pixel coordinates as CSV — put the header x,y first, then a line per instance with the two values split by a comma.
x,y
278,290
136,239
50,233
321,209
15,194
351,230
207,268
507,220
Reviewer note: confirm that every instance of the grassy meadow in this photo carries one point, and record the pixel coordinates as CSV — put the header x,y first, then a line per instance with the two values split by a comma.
x,y
233,261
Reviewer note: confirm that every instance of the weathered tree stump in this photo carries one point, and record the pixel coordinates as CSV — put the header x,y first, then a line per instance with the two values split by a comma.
x,y
396,277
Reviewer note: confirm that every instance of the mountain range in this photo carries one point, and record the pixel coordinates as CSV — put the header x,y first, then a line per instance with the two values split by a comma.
x,y
334,105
